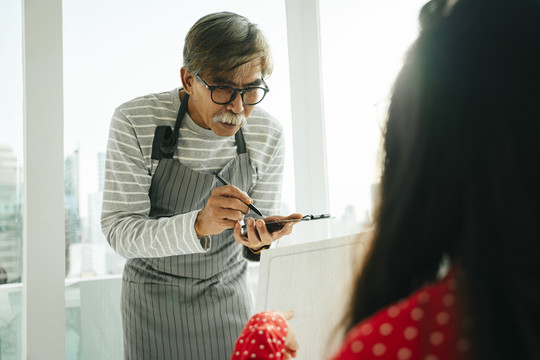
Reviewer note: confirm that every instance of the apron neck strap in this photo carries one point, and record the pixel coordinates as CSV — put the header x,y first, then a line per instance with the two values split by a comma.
x,y
240,142
170,140
181,113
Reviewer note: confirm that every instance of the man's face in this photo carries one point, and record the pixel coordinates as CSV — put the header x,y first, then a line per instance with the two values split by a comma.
x,y
223,120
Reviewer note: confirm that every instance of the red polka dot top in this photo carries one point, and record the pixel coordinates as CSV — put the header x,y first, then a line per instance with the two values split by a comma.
x,y
421,327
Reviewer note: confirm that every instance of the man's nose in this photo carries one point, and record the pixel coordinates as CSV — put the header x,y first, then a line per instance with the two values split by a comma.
x,y
236,106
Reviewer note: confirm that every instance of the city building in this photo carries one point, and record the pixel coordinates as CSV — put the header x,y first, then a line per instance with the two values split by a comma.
x,y
10,218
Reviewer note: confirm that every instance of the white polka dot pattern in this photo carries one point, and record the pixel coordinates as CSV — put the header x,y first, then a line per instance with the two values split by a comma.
x,y
436,338
366,329
410,333
357,346
417,314
404,354
448,300
393,311
442,318
423,297
385,329
379,349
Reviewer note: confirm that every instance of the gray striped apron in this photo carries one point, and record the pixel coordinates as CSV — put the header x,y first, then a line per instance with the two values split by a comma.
x,y
188,306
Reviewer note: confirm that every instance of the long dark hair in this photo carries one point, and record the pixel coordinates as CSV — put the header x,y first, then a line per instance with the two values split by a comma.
x,y
460,174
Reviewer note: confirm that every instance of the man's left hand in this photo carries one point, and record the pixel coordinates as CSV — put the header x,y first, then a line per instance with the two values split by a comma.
x,y
257,235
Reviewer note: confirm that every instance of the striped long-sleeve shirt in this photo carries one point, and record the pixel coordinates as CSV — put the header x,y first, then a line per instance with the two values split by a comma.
x,y
129,169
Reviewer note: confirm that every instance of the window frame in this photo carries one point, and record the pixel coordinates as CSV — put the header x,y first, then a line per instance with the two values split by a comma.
x,y
43,301
308,126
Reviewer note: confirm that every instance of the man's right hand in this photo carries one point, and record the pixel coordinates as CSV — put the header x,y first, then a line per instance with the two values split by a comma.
x,y
226,206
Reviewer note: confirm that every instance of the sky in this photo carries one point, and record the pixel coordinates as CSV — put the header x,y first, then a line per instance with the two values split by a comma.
x,y
11,75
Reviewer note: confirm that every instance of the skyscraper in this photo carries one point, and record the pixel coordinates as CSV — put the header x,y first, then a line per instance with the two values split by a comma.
x,y
71,203
10,217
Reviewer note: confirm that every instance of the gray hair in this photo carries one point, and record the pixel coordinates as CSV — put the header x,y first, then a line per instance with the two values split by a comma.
x,y
222,42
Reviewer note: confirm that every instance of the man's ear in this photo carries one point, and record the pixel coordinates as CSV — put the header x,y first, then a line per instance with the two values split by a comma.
x,y
187,79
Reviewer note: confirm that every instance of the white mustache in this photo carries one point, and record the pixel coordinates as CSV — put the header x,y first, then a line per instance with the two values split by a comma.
x,y
230,118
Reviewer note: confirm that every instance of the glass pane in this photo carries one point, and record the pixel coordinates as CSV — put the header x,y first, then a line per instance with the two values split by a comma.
x,y
135,50
11,177
363,44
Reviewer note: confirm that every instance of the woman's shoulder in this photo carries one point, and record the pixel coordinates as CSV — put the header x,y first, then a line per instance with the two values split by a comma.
x,y
422,326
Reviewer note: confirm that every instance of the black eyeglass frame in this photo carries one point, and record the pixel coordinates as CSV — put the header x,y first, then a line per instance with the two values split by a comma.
x,y
266,89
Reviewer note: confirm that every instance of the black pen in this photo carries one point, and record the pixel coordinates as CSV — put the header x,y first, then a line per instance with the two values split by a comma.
x,y
224,182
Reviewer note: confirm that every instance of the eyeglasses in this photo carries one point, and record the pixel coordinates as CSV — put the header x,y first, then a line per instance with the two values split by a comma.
x,y
223,95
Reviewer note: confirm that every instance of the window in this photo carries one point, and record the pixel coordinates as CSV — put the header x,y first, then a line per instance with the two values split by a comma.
x,y
363,43
11,160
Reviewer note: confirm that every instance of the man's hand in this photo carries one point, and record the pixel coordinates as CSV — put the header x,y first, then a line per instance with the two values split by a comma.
x,y
226,207
257,235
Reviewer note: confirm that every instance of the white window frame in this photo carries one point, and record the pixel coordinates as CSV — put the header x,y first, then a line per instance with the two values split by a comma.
x,y
43,306
309,142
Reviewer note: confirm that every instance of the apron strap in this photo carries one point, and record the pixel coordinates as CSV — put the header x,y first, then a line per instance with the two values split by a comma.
x,y
240,142
165,139
162,135
180,116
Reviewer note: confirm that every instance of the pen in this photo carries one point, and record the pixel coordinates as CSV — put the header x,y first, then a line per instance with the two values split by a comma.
x,y
224,182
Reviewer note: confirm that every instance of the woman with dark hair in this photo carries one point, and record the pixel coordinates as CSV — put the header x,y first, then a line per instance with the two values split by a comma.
x,y
461,146
452,270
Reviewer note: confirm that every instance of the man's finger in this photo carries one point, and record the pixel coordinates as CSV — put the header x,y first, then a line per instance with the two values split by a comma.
x,y
233,191
230,203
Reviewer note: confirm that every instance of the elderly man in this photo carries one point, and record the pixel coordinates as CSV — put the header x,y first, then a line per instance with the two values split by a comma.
x,y
184,292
